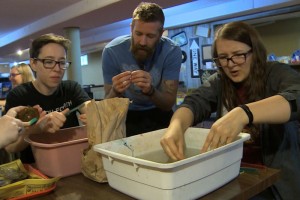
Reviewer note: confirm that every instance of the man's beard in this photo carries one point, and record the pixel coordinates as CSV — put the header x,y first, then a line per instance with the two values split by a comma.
x,y
141,53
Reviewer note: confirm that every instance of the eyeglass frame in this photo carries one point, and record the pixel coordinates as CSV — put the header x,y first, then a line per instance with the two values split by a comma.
x,y
14,75
217,60
56,63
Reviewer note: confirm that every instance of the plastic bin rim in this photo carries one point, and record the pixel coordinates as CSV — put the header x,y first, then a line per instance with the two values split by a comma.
x,y
37,144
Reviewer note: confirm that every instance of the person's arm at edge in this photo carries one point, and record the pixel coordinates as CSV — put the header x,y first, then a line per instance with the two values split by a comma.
x,y
20,144
11,128
50,123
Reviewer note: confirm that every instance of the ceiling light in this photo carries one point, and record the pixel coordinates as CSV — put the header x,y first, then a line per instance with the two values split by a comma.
x,y
19,52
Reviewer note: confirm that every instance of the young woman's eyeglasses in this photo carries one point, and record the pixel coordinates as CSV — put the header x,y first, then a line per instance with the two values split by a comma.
x,y
50,64
14,75
236,59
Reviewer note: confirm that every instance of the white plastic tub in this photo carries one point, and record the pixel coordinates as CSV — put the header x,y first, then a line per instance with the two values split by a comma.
x,y
190,178
59,154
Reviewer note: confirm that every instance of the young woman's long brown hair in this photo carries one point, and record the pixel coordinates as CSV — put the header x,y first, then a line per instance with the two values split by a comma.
x,y
255,83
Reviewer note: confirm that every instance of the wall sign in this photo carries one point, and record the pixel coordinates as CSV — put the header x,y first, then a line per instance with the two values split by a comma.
x,y
195,57
180,38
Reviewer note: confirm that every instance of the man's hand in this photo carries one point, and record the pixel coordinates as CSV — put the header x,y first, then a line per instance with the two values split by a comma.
x,y
142,79
121,82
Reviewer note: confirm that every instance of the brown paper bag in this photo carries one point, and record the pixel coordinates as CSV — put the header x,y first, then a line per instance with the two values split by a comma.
x,y
105,122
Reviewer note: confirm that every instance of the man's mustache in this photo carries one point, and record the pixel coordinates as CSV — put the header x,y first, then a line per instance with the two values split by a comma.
x,y
138,47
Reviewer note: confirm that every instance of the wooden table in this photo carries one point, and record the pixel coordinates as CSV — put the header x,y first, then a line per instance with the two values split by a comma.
x,y
246,185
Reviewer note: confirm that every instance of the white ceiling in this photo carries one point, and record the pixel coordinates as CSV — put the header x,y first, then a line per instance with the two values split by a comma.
x,y
101,20
23,20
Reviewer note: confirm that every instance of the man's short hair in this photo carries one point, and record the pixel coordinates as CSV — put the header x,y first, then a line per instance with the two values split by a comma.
x,y
149,12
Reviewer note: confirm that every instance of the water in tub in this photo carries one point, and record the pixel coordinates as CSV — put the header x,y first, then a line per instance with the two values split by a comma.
x,y
160,156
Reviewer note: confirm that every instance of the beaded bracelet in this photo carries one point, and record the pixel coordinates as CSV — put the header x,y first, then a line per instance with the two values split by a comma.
x,y
248,112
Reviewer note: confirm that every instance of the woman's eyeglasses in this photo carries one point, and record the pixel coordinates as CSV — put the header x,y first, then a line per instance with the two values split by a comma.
x,y
236,59
14,75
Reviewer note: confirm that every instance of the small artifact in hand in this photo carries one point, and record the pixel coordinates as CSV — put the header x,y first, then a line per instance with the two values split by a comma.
x,y
28,113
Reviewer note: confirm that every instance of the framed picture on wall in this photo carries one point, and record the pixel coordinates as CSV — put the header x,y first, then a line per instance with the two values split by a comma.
x,y
180,38
206,53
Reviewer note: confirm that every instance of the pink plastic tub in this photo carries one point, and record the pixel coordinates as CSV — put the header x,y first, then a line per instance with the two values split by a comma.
x,y
59,154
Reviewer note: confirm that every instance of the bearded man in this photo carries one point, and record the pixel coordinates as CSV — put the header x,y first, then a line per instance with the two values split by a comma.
x,y
143,67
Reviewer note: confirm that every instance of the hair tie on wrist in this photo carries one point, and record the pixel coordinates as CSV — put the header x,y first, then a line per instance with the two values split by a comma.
x,y
248,112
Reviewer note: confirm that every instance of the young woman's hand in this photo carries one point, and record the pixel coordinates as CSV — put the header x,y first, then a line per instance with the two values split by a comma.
x,y
225,129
